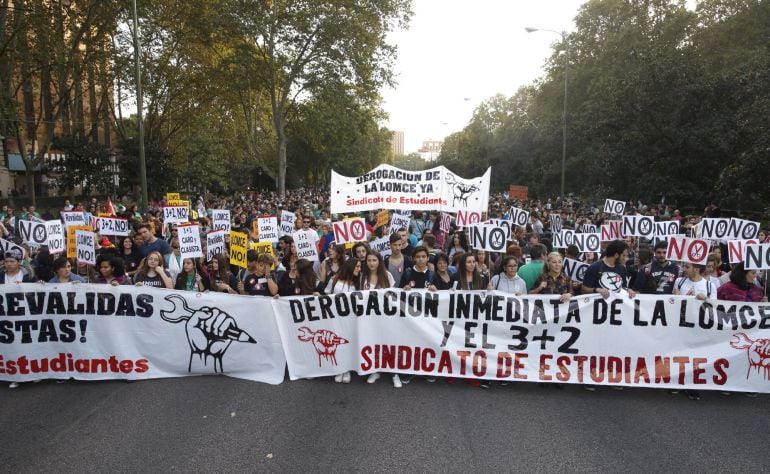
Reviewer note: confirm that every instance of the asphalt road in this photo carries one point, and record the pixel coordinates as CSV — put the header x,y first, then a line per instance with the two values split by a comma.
x,y
223,424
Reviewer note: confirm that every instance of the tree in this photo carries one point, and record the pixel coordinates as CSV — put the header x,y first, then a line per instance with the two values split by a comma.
x,y
85,164
303,44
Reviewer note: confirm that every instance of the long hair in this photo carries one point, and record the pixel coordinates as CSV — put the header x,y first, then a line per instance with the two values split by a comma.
x,y
462,271
463,240
345,274
144,268
381,272
223,267
307,279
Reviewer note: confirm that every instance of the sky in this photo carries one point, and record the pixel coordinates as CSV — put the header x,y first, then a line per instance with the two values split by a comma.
x,y
457,53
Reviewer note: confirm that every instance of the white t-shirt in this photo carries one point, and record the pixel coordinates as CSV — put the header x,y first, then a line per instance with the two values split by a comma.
x,y
18,278
693,288
515,285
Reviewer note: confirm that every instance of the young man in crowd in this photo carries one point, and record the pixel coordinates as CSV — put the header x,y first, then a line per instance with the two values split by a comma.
x,y
150,242
658,276
397,262
419,275
534,268
608,274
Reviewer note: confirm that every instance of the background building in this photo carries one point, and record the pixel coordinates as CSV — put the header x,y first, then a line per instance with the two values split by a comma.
x,y
397,143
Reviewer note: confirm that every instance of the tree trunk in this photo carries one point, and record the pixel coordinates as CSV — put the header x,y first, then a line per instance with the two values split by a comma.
x,y
281,181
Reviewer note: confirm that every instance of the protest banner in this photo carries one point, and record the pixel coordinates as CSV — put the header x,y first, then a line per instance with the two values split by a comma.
x,y
563,239
175,215
190,241
742,229
86,247
685,249
757,257
575,269
98,332
381,245
220,219
555,220
268,228
349,230
238,241
388,187
664,342
305,241
446,222
112,226
55,241
173,197
264,248
33,233
215,243
586,242
610,231
723,229
465,219
487,237
638,226
614,207
382,218
73,218
520,217
72,249
288,222
398,221
666,229
518,192
736,249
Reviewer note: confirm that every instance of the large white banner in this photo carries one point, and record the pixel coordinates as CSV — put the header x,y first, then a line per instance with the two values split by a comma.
x,y
663,342
95,332
388,187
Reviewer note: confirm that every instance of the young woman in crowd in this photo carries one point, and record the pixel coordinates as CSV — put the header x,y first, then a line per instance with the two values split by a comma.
x,y
346,280
482,263
375,275
552,281
287,283
307,282
173,261
62,269
742,286
222,279
111,271
190,279
458,243
442,280
151,272
335,257
468,276
508,281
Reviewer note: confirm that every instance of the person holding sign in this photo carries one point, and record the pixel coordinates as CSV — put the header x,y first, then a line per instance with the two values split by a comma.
x,y
608,275
151,272
742,286
62,269
190,279
552,281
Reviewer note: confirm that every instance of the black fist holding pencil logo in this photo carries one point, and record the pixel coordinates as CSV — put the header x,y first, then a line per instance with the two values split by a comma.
x,y
210,331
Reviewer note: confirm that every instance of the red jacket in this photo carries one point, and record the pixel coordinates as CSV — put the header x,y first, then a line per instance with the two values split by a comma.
x,y
732,292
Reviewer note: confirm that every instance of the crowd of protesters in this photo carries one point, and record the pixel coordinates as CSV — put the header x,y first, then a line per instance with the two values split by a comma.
x,y
422,256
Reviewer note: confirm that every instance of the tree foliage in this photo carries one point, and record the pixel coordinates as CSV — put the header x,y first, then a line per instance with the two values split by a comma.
x,y
663,102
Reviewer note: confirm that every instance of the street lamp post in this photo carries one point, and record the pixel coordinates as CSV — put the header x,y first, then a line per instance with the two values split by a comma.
x,y
564,111
140,120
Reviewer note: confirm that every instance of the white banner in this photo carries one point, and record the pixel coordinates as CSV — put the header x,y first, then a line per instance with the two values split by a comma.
x,y
112,226
670,342
220,219
288,220
305,241
56,242
97,332
215,243
268,229
86,247
388,187
175,215
190,241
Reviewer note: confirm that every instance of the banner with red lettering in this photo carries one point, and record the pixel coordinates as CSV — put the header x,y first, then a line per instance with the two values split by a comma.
x,y
97,332
662,342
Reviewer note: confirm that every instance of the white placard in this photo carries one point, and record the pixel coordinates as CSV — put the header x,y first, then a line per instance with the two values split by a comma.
x,y
757,257
288,222
268,229
112,226
685,249
73,218
175,215
614,207
305,241
220,219
520,217
349,230
190,241
86,247
398,221
487,237
575,269
215,243
56,241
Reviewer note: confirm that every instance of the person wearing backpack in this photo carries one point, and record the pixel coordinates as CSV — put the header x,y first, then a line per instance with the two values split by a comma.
x,y
658,276
693,283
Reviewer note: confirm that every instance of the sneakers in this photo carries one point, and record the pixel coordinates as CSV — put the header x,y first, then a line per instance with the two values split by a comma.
x,y
338,378
590,388
397,381
406,379
346,377
13,385
484,384
430,379
692,394
674,391
502,384
618,387
752,394
374,377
